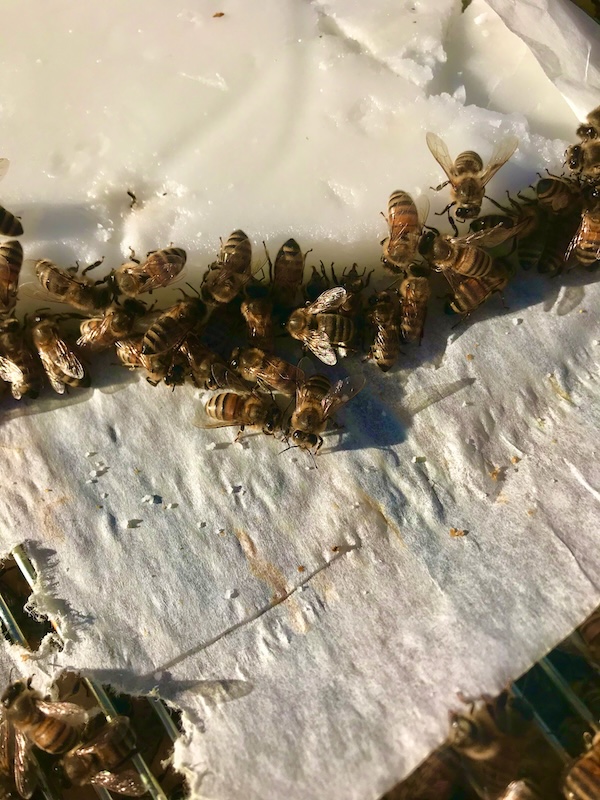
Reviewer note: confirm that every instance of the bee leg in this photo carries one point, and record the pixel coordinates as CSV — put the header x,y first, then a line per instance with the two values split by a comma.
x,y
270,262
453,224
440,187
463,318
502,208
319,445
93,266
152,383
131,194
132,256
324,274
239,434
445,210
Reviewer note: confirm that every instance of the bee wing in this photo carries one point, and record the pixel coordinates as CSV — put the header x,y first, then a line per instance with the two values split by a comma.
x,y
328,301
441,154
225,378
112,732
24,772
5,734
319,344
579,237
127,782
502,152
93,333
454,279
71,713
4,165
65,359
341,393
52,373
490,237
422,205
204,422
9,371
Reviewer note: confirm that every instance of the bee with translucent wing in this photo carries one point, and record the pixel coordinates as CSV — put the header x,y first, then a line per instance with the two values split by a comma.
x,y
11,261
405,219
18,365
466,175
60,363
173,325
319,328
266,369
64,287
230,273
585,245
228,409
98,761
117,322
384,318
160,269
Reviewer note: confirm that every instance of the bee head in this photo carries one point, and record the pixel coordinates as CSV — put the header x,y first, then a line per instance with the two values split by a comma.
x,y
585,132
273,421
305,440
234,361
296,322
463,731
14,691
426,242
463,213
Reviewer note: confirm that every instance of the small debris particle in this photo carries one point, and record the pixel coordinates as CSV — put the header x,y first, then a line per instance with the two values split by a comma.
x,y
301,569
495,473
531,512
458,532
48,490
133,523
136,471
202,524
222,531
517,321
469,356
103,494
171,505
147,498
210,446
419,459
92,480
515,459
335,549
231,594
235,489
158,676
91,453
356,505
583,310
219,14
596,342
97,506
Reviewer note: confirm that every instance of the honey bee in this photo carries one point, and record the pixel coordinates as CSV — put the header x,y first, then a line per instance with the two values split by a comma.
x,y
590,129
78,292
160,269
28,719
257,311
559,237
470,293
169,366
227,409
117,322
18,364
173,325
11,261
9,224
558,195
584,159
414,294
354,282
206,368
60,363
287,273
230,273
493,740
582,781
316,401
463,254
319,329
268,370
405,222
467,175
97,762
317,284
585,245
384,317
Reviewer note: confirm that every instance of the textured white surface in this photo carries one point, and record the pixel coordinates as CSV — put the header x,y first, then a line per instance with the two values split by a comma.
x,y
293,118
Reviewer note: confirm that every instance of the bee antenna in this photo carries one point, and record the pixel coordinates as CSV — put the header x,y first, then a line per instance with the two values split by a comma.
x,y
289,447
193,288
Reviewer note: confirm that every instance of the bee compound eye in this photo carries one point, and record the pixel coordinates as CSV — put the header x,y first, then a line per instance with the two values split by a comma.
x,y
462,213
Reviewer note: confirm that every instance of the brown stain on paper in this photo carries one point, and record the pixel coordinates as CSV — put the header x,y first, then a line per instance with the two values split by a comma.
x,y
48,524
269,574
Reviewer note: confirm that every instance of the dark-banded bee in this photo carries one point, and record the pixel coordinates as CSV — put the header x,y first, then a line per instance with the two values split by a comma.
x,y
173,325
462,254
28,719
98,761
470,293
169,366
584,159
266,369
287,273
405,222
582,781
206,368
18,365
228,409
585,245
9,224
117,322
384,317
414,294
354,282
467,175
316,284
321,330
160,269
257,311
558,195
60,363
11,261
78,292
316,401
230,273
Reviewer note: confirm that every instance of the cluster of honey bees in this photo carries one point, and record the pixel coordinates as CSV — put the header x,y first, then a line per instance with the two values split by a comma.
x,y
84,747
558,224
516,746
